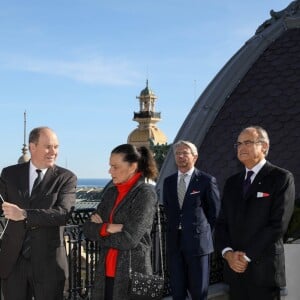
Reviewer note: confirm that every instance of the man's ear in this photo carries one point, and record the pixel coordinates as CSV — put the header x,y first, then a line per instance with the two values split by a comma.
x,y
32,147
265,148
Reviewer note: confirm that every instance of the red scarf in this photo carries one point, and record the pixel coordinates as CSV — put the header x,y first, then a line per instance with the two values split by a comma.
x,y
112,254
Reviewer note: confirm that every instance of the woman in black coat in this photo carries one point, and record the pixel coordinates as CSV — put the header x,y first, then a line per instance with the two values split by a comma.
x,y
123,221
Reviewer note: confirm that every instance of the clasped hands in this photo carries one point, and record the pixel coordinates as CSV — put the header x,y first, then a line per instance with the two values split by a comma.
x,y
111,227
236,260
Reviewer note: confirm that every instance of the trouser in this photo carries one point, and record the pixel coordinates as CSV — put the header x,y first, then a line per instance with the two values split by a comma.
x,y
248,291
109,287
21,285
189,273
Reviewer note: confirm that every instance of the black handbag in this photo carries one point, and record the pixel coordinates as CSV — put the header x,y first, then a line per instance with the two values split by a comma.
x,y
146,286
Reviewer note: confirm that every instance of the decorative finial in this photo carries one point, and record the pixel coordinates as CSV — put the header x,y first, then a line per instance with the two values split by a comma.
x,y
25,157
24,128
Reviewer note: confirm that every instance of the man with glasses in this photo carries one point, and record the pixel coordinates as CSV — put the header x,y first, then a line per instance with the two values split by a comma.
x,y
192,203
257,205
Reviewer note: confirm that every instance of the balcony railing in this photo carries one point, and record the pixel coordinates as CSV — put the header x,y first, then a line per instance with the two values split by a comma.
x,y
83,255
146,114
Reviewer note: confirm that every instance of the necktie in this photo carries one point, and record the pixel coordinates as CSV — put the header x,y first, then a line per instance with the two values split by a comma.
x,y
247,182
26,248
38,180
181,189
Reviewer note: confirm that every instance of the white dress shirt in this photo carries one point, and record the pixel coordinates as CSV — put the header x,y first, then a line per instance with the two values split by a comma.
x,y
187,178
33,175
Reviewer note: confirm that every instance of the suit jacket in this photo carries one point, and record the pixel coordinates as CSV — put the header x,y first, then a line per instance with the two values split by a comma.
x,y
48,209
256,224
197,216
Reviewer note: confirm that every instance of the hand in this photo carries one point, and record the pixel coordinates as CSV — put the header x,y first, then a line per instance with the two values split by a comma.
x,y
236,261
12,212
114,228
96,218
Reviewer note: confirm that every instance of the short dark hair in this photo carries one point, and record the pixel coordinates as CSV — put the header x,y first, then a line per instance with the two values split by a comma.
x,y
35,133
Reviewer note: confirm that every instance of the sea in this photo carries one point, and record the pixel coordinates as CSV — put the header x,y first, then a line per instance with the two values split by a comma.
x,y
92,182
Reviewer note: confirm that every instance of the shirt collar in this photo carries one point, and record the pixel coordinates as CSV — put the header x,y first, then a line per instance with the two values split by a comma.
x,y
189,172
257,167
32,169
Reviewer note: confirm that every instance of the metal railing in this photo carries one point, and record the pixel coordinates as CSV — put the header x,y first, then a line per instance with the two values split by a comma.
x,y
83,255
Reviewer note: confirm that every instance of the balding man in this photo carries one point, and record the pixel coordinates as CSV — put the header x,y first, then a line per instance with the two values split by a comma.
x,y
257,205
38,198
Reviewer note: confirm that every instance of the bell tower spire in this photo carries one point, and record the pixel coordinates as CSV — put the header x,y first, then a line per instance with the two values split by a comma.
x,y
147,118
25,157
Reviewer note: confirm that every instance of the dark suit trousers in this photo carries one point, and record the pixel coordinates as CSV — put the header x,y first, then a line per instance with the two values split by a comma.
x,y
20,285
248,291
188,273
109,288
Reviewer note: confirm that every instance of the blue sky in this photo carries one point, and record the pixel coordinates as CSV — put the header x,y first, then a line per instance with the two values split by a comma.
x,y
78,65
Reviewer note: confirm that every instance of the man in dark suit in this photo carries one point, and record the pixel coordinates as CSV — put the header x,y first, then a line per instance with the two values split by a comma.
x,y
191,215
252,222
33,258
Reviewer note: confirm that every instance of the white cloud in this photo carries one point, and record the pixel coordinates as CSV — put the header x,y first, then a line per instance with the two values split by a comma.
x,y
97,71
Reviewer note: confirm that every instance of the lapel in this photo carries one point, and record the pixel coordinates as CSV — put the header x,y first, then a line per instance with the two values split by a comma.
x,y
254,187
243,202
240,182
47,181
23,178
172,191
194,182
193,185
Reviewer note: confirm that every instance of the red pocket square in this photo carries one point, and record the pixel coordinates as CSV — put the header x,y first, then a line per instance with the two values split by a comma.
x,y
262,195
194,192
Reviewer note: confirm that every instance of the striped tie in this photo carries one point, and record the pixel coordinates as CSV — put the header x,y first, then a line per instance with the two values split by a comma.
x,y
181,189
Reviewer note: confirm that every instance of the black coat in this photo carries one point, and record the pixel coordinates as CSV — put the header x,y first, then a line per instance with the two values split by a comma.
x,y
256,224
136,213
47,213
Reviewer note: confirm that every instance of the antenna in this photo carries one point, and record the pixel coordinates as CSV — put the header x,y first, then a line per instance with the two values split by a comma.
x,y
25,157
24,128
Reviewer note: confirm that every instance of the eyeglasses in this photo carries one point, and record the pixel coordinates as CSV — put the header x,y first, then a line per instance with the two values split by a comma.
x,y
184,153
246,143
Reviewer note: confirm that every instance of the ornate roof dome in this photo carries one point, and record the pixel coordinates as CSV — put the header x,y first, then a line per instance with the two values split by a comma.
x,y
25,157
147,117
258,86
147,91
142,136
